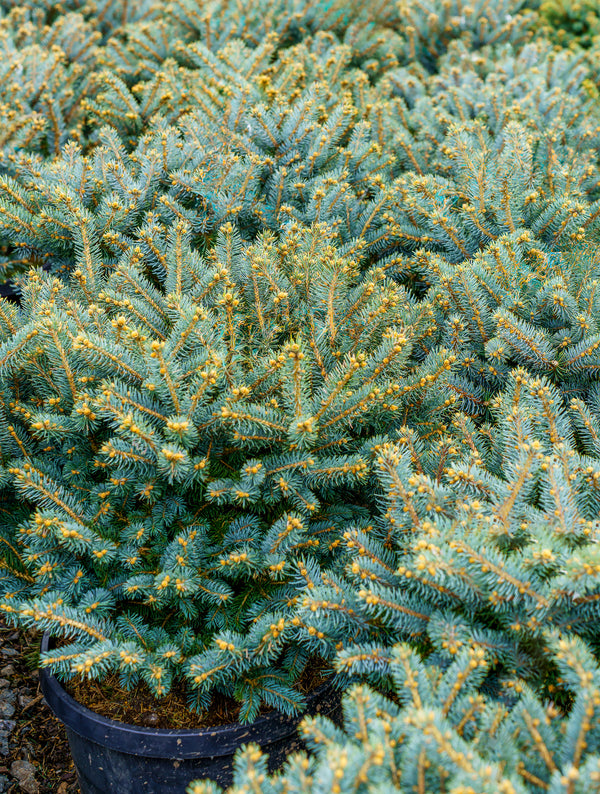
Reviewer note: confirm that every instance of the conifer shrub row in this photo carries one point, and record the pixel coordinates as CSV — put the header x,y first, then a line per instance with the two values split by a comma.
x,y
445,163
235,126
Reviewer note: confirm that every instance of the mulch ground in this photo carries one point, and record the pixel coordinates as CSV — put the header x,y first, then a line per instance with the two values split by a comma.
x,y
37,737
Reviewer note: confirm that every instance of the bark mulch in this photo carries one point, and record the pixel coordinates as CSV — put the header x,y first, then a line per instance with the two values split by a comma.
x,y
34,753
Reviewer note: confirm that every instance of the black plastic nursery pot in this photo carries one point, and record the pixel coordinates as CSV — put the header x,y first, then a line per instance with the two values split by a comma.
x,y
113,757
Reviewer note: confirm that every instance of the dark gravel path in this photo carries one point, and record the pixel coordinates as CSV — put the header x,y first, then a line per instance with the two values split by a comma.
x,y
34,754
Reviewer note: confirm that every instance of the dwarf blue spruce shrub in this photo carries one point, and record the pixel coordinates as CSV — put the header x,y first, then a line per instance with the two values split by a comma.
x,y
429,28
179,466
488,537
571,23
485,562
442,733
518,305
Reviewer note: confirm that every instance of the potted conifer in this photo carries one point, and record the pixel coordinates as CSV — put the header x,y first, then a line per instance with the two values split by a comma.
x,y
179,463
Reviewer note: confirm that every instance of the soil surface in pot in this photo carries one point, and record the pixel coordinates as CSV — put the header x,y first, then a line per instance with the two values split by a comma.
x,y
138,706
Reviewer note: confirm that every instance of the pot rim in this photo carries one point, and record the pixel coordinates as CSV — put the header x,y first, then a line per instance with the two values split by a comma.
x,y
220,740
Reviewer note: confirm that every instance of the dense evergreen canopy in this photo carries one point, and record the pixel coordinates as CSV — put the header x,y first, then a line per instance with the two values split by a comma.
x,y
305,368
